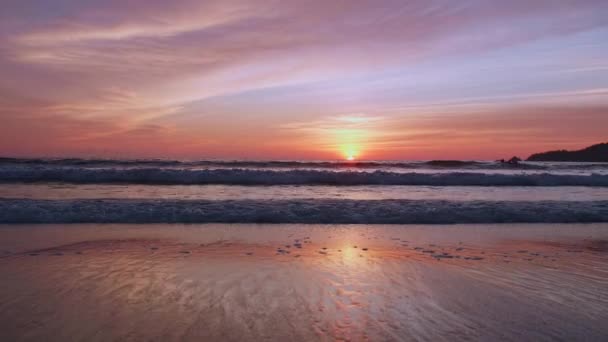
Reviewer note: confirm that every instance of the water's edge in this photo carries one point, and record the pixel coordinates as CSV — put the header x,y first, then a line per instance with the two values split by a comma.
x,y
300,211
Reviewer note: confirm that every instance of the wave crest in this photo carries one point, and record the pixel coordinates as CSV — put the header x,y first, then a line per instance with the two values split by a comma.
x,y
433,164
291,177
299,211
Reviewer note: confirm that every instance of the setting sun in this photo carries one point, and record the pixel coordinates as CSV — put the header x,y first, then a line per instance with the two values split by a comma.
x,y
349,151
304,170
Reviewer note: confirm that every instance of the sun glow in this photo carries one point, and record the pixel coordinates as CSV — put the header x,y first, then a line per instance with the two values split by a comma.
x,y
350,142
349,153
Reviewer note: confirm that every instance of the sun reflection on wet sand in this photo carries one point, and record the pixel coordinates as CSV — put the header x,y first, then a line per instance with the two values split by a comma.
x,y
313,283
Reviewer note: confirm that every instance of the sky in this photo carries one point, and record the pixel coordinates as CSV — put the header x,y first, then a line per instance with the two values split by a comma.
x,y
376,79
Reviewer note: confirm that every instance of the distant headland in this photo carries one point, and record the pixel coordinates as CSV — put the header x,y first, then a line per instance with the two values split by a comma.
x,y
595,153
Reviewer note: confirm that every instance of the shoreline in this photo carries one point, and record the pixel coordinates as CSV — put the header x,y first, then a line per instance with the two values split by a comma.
x,y
309,211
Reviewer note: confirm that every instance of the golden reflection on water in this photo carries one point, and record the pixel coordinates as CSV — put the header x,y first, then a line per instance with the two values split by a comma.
x,y
351,256
314,284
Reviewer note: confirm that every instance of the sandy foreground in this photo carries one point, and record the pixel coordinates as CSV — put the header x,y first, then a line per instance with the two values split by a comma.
x,y
303,282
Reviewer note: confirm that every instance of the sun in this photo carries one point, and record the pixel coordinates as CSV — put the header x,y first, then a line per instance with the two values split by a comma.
x,y
348,146
349,152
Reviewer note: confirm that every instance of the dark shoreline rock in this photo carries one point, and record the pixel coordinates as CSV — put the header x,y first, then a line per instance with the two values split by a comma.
x,y
596,153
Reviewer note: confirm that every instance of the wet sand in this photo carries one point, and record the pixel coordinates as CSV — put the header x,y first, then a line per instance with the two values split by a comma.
x,y
303,282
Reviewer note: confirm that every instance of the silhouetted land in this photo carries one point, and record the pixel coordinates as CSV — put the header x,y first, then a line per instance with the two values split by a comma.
x,y
595,153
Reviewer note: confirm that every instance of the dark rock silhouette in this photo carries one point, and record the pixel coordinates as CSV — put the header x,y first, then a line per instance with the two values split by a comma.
x,y
512,161
596,153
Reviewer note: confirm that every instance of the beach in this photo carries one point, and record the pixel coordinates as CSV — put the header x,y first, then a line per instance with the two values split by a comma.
x,y
157,282
160,250
303,171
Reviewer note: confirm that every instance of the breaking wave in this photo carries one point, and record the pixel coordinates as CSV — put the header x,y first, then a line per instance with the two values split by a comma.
x,y
299,211
289,177
433,164
245,163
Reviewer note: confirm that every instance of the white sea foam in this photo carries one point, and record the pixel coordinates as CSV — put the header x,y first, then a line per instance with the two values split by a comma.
x,y
299,211
63,191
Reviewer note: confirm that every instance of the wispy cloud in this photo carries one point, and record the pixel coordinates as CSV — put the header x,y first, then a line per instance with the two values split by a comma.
x,y
220,76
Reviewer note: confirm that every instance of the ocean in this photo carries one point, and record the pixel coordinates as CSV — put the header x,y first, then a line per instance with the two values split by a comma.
x,y
108,250
378,192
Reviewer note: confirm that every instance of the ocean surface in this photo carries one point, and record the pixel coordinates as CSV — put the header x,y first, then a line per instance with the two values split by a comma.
x,y
395,192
